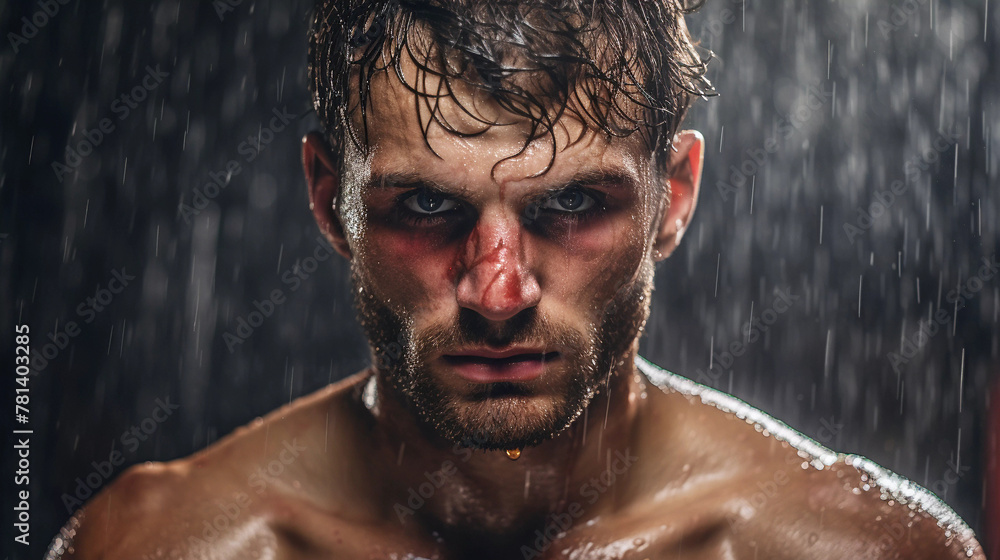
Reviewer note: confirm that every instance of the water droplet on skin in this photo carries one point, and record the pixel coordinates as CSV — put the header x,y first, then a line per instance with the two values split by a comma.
x,y
513,454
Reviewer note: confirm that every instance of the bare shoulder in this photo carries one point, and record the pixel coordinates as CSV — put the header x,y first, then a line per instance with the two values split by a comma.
x,y
236,486
769,491
121,518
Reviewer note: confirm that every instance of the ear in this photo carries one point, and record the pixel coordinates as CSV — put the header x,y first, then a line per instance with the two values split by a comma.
x,y
323,179
685,181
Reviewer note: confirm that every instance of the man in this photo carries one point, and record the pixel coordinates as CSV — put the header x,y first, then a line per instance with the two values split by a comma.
x,y
502,177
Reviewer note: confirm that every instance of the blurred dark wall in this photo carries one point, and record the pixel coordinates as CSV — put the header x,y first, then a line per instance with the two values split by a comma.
x,y
823,106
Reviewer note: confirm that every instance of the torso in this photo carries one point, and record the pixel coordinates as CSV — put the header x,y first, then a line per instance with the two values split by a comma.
x,y
742,485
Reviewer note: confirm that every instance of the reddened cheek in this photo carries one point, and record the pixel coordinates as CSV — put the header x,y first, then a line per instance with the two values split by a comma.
x,y
415,266
586,267
612,235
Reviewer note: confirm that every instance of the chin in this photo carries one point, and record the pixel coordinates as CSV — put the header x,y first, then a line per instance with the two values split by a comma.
x,y
505,422
501,416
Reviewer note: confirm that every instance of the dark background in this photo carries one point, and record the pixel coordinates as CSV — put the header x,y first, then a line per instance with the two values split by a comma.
x,y
893,88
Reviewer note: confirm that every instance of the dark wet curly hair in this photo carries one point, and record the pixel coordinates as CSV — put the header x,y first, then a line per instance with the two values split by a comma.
x,y
618,65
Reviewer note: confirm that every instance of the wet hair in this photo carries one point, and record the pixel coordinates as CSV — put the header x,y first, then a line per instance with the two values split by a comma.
x,y
619,66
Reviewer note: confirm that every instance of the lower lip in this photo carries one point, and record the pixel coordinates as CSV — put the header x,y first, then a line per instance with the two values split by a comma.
x,y
524,367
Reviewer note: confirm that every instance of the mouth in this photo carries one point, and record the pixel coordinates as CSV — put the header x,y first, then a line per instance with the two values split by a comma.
x,y
489,366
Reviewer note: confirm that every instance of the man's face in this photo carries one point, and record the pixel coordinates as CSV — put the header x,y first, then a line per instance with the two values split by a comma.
x,y
475,250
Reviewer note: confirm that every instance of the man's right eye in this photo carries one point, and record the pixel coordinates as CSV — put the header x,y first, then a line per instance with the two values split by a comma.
x,y
428,202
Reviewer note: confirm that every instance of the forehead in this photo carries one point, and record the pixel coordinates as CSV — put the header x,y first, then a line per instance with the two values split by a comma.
x,y
448,127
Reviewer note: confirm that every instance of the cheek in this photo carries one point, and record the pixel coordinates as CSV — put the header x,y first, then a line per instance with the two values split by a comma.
x,y
413,269
593,262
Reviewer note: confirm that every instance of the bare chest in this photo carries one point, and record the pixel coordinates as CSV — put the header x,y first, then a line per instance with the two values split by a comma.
x,y
625,537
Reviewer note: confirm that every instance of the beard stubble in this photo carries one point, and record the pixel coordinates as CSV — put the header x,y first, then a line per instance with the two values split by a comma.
x,y
503,415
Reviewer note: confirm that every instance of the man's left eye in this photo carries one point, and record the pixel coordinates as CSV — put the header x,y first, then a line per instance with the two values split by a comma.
x,y
569,201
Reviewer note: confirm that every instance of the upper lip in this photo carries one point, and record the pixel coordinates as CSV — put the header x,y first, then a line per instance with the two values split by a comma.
x,y
490,353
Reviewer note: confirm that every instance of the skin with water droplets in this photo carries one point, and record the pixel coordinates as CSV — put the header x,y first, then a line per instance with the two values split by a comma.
x,y
679,474
704,483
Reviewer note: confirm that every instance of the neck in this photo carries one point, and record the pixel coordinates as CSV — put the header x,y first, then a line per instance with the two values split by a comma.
x,y
435,483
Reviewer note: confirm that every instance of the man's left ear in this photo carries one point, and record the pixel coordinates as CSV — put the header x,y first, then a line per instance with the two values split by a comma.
x,y
685,181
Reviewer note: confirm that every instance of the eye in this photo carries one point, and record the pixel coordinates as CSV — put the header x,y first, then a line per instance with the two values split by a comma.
x,y
570,201
428,202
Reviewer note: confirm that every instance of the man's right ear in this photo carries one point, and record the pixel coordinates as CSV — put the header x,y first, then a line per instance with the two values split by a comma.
x,y
323,179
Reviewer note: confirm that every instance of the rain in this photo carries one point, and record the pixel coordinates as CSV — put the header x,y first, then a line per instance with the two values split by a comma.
x,y
156,235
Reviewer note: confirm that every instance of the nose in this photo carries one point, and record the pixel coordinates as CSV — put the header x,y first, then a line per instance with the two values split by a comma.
x,y
497,282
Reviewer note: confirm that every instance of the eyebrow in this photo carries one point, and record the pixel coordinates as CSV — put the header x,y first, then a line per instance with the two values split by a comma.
x,y
608,178
405,181
614,177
